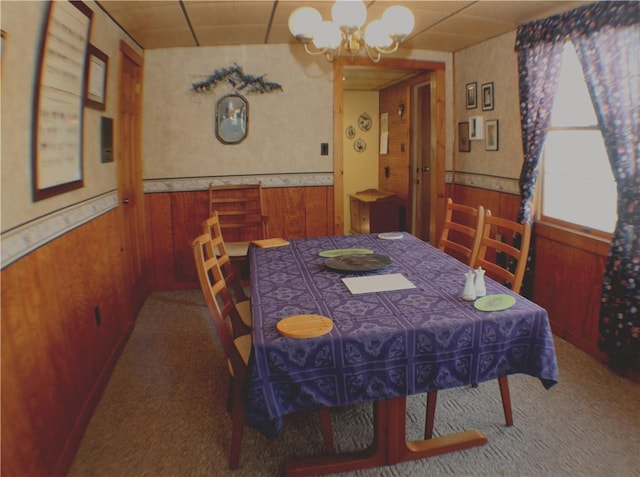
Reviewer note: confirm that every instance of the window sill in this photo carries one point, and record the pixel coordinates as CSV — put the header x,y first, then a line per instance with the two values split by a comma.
x,y
574,238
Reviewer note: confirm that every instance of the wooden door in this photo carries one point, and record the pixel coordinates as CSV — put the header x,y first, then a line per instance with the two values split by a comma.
x,y
423,163
130,176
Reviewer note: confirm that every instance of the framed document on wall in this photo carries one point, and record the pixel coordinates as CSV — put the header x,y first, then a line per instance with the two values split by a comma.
x,y
59,100
96,78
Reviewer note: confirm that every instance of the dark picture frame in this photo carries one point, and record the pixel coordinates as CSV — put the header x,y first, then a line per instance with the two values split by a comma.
x,y
232,119
471,95
491,134
96,78
487,97
464,144
58,118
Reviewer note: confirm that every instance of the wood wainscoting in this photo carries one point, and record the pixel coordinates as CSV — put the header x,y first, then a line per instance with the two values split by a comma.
x,y
568,272
65,318
174,219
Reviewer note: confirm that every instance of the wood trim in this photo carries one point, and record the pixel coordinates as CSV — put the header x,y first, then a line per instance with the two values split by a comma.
x,y
338,144
573,238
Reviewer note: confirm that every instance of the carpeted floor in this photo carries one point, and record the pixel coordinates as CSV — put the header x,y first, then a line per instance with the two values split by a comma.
x,y
163,415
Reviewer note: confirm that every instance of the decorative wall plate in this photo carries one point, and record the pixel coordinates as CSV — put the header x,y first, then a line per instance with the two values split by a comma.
x,y
365,122
350,132
360,145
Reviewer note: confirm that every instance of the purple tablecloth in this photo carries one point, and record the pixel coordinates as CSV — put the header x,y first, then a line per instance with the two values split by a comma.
x,y
382,345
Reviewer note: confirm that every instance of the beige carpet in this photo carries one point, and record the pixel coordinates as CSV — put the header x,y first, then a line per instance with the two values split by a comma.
x,y
163,414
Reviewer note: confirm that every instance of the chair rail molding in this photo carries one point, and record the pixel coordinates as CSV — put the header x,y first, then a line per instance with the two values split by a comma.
x,y
23,239
186,184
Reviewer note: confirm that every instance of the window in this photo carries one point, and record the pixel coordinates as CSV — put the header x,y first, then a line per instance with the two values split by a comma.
x,y
578,188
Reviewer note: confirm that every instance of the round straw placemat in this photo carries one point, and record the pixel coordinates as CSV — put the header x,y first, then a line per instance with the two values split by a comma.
x,y
304,326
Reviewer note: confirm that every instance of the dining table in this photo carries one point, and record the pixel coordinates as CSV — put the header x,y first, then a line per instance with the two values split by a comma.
x,y
393,324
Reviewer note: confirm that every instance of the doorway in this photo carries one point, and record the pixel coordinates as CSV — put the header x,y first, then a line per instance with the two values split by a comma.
x,y
423,152
433,193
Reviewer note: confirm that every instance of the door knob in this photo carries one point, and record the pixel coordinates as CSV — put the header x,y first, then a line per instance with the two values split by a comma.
x,y
125,201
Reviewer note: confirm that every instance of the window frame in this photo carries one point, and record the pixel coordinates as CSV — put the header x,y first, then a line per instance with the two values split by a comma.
x,y
539,195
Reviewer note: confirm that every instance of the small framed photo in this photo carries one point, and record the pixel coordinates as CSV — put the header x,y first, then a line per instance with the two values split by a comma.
x,y
491,135
96,78
487,96
464,145
472,95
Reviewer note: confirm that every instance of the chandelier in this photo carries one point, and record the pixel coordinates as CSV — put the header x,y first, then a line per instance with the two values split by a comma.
x,y
345,31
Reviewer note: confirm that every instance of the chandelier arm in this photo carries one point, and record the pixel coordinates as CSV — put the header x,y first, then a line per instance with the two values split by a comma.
x,y
320,51
393,48
375,58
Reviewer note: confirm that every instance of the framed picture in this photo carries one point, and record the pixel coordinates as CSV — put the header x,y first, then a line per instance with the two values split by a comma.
x,y
487,96
472,95
491,135
464,145
96,78
58,105
232,117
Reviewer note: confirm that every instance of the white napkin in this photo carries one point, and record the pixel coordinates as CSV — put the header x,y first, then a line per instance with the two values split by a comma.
x,y
377,283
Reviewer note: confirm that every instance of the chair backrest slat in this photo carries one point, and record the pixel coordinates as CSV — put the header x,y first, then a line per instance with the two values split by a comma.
x,y
504,261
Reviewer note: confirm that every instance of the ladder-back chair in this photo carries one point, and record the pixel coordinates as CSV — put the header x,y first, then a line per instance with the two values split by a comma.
x,y
211,226
461,231
241,214
237,349
504,262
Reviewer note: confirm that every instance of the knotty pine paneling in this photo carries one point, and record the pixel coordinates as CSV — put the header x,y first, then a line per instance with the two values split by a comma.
x,y
568,271
55,358
569,268
175,219
399,147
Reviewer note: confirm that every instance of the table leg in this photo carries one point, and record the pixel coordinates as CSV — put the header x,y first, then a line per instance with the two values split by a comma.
x,y
389,445
401,450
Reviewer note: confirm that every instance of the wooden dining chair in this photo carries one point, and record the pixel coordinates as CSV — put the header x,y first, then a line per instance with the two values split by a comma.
x,y
241,214
237,348
461,231
503,253
212,227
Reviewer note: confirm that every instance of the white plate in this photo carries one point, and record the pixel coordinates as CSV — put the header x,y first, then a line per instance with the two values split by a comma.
x,y
390,235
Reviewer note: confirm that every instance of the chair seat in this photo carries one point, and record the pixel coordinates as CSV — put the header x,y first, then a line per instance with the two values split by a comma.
x,y
237,249
244,310
244,344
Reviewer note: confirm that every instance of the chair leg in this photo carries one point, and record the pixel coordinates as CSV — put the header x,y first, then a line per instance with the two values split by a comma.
x,y
506,399
327,430
432,397
237,426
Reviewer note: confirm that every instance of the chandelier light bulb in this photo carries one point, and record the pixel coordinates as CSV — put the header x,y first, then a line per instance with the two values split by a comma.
x,y
303,22
399,21
327,36
376,35
349,14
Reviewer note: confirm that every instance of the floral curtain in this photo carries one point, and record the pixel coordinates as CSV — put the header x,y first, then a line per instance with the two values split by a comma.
x,y
610,59
606,37
539,65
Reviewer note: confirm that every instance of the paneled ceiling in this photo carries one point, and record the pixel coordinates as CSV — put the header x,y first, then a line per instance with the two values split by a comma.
x,y
439,25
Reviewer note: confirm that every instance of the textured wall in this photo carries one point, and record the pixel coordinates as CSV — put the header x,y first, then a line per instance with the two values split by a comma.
x,y
22,21
492,61
285,128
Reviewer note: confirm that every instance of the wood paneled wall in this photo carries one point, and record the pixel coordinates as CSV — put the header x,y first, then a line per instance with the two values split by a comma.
x,y
397,159
175,219
568,273
56,359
